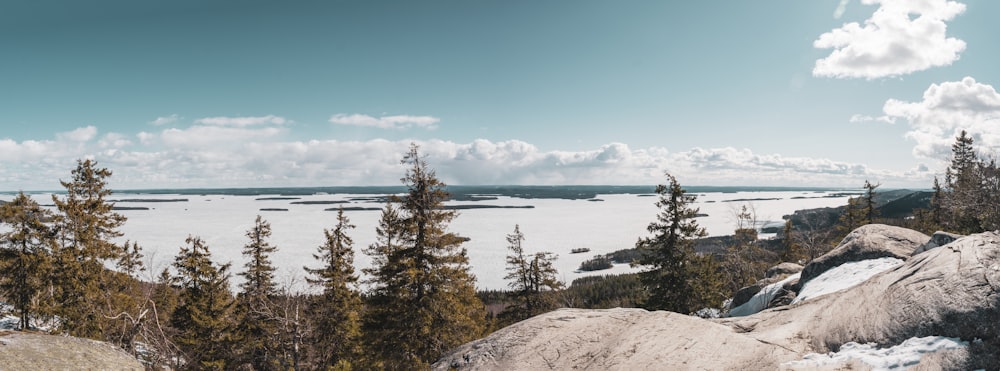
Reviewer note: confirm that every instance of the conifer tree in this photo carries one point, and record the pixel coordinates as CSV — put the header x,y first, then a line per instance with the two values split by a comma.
x,y
336,312
869,209
203,315
793,250
532,278
674,272
850,219
256,328
963,197
26,245
86,228
423,296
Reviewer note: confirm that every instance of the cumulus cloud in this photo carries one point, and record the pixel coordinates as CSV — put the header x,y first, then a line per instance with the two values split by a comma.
x,y
83,134
243,122
160,121
214,156
945,110
892,42
386,122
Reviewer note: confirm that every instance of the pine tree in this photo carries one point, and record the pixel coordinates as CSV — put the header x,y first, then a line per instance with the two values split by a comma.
x,y
26,245
869,208
531,278
423,295
203,315
850,219
336,312
793,250
256,328
964,187
674,270
86,228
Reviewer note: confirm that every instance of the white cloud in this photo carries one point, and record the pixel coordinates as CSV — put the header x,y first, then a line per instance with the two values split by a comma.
x,y
160,121
892,42
866,118
945,110
243,121
841,8
386,122
212,156
83,134
208,136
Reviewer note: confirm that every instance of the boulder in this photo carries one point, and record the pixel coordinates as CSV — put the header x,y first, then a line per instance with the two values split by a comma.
x,y
951,291
619,339
938,239
783,269
33,351
870,241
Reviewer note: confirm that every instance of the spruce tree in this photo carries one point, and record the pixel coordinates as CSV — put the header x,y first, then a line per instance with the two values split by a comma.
x,y
26,245
674,271
203,314
257,328
423,295
964,183
532,278
869,208
336,312
86,228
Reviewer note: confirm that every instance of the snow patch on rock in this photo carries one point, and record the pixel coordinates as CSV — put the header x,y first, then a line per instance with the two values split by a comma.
x,y
762,298
845,276
898,357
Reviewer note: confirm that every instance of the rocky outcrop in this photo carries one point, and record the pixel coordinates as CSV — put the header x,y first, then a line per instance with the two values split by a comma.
x,y
615,339
951,291
31,351
938,239
871,241
773,275
783,270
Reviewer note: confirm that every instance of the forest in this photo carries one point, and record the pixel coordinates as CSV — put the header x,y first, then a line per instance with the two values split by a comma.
x,y
62,272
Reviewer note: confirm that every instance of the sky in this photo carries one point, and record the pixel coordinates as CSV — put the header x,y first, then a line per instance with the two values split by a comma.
x,y
250,93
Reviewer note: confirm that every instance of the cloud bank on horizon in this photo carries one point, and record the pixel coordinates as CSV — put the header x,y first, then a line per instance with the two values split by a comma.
x,y
249,151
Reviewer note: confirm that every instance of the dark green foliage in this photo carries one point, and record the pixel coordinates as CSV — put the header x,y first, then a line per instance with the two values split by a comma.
x,y
531,278
601,292
423,298
256,327
86,294
335,314
203,315
869,209
597,263
673,277
25,254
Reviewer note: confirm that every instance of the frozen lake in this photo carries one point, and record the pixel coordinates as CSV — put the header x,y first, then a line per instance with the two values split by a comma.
x,y
555,225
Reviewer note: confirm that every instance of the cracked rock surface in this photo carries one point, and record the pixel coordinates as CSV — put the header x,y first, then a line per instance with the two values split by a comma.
x,y
951,291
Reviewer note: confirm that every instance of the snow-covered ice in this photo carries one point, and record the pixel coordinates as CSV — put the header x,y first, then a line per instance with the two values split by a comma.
x,y
555,225
845,276
899,357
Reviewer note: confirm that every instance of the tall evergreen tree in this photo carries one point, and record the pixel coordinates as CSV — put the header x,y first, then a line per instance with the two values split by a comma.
x,y
423,295
673,268
532,278
336,312
964,187
256,328
26,245
203,315
87,226
869,208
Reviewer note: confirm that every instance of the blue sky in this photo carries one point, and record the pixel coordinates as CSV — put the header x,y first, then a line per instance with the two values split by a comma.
x,y
305,93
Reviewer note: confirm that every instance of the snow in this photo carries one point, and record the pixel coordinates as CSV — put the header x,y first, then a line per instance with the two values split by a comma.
x,y
845,276
760,300
899,357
